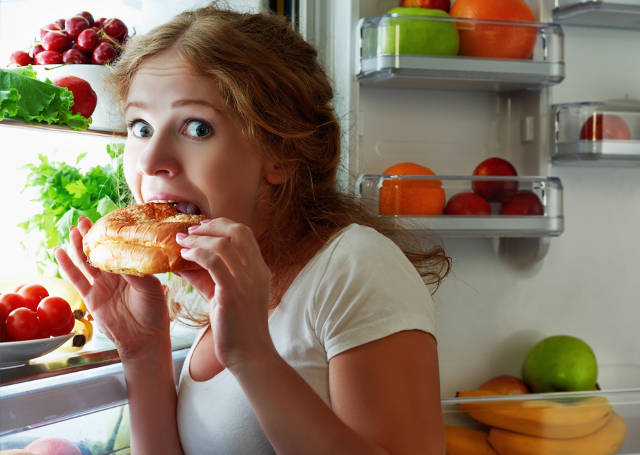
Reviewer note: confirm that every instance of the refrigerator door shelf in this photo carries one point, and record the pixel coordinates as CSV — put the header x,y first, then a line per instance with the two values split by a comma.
x,y
623,14
400,188
597,133
562,422
390,55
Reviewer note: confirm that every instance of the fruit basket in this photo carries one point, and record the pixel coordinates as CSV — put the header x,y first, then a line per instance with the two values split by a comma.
x,y
597,133
599,422
623,14
441,53
431,203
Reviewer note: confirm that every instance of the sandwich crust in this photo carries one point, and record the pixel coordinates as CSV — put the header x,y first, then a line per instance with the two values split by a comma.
x,y
139,240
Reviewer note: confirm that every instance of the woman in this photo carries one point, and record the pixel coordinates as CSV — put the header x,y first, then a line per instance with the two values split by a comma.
x,y
319,331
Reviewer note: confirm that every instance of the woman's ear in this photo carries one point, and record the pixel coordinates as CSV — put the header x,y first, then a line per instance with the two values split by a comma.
x,y
276,173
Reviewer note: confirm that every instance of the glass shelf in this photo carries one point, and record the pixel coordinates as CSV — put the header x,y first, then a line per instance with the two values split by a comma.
x,y
597,133
63,129
623,14
553,418
390,56
400,188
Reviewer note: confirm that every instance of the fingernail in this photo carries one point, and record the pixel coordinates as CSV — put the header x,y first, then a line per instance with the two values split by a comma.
x,y
71,228
192,228
180,235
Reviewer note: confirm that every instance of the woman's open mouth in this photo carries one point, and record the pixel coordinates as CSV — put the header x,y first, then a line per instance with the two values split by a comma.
x,y
186,207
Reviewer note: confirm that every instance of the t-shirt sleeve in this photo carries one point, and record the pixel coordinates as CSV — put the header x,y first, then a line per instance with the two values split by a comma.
x,y
369,290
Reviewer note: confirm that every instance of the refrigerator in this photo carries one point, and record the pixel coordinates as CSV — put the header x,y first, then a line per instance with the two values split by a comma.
x,y
515,280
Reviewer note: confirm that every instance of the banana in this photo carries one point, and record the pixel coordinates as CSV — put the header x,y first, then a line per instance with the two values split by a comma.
x,y
605,441
83,329
466,441
543,418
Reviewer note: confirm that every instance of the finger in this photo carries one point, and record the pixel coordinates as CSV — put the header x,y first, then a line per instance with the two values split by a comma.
x,y
240,235
74,275
75,240
213,263
84,224
216,245
148,284
201,280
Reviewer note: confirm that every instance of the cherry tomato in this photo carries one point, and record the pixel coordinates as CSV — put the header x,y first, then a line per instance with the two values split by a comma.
x,y
54,313
66,328
22,324
32,294
13,300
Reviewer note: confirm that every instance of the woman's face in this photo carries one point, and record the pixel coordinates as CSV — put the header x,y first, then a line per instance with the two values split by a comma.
x,y
183,145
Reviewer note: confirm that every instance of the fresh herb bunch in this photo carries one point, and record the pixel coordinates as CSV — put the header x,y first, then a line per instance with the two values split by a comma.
x,y
67,193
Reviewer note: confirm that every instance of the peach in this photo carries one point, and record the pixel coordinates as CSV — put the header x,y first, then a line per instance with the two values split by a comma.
x,y
52,446
505,385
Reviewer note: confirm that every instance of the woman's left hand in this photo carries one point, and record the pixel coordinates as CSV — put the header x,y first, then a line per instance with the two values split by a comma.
x,y
235,281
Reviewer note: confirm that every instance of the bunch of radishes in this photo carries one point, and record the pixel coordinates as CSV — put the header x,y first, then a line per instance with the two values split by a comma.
x,y
79,39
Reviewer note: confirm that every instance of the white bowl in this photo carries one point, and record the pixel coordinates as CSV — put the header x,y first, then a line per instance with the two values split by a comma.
x,y
106,116
14,353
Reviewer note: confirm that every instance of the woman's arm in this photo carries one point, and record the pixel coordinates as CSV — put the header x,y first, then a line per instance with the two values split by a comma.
x,y
385,397
152,401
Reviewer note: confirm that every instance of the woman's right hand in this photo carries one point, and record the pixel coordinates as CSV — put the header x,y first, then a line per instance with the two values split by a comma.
x,y
131,310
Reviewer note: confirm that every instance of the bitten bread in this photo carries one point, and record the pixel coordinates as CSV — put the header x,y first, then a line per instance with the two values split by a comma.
x,y
140,240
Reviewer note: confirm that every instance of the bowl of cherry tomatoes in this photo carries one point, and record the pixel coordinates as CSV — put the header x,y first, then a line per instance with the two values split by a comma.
x,y
32,323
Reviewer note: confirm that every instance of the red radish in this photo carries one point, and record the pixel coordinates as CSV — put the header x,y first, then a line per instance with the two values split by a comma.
x,y
84,98
21,58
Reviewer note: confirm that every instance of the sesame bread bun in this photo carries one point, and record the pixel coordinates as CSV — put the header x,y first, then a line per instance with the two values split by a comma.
x,y
140,240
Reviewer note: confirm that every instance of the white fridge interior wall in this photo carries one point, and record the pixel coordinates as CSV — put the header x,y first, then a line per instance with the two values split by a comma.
x,y
490,310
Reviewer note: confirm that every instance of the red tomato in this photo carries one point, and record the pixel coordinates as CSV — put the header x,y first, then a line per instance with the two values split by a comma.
x,y
67,327
54,313
32,294
13,300
605,126
22,324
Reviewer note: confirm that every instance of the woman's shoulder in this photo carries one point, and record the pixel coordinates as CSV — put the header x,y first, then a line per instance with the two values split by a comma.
x,y
359,241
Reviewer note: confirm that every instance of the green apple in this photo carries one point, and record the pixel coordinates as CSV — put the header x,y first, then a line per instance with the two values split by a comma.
x,y
413,35
560,363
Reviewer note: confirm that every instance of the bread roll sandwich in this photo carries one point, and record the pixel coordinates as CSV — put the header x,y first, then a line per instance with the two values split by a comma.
x,y
140,239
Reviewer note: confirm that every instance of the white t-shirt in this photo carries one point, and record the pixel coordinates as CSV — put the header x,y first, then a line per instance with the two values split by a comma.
x,y
358,288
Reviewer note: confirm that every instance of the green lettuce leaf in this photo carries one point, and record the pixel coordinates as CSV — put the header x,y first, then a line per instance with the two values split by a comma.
x,y
37,101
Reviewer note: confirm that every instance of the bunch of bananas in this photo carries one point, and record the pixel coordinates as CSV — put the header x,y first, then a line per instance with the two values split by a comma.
x,y
586,426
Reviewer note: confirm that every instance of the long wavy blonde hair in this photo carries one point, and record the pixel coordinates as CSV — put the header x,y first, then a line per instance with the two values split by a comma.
x,y
271,80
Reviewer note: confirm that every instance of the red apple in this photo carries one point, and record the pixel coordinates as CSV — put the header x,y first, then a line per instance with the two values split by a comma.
x,y
505,385
84,98
430,4
495,191
523,203
605,126
467,203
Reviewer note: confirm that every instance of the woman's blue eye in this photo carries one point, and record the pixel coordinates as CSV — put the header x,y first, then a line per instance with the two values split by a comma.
x,y
197,128
141,128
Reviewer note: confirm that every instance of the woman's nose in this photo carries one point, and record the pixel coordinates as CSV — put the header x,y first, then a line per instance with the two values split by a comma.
x,y
157,158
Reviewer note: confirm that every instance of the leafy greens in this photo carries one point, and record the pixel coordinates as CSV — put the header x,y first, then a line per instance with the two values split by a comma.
x,y
25,98
67,193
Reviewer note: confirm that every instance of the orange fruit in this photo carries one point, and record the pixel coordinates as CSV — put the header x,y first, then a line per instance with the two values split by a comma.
x,y
411,197
495,40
